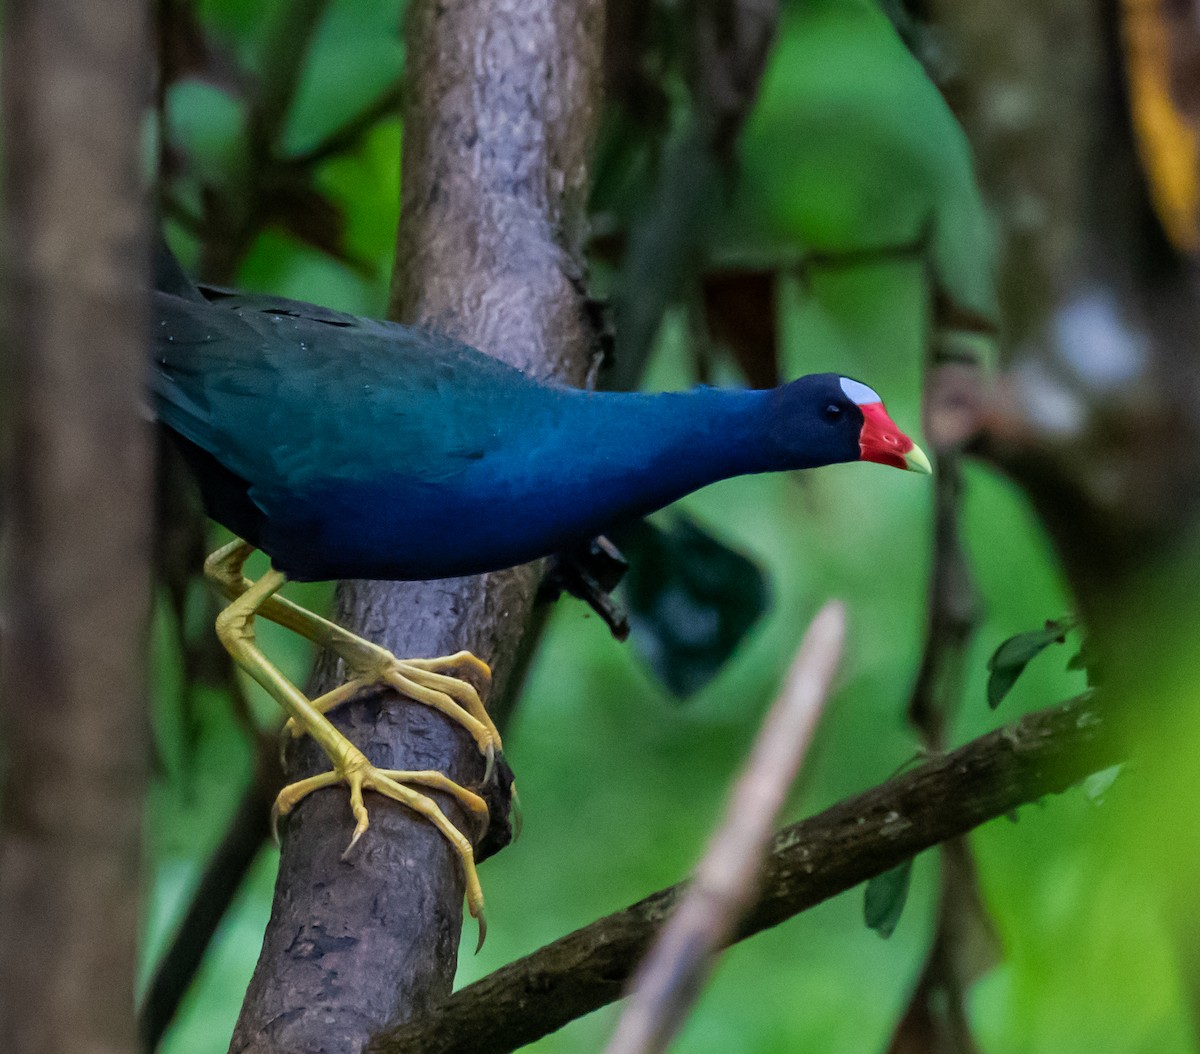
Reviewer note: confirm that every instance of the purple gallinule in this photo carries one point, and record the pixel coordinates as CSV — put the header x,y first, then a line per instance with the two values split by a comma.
x,y
350,448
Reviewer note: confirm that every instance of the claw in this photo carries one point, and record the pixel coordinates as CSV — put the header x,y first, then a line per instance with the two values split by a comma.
x,y
515,816
359,830
362,821
358,774
482,931
275,824
489,766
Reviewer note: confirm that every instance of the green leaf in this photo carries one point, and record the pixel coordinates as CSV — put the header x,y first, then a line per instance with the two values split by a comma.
x,y
691,600
1096,786
209,125
885,897
1009,660
1087,660
834,112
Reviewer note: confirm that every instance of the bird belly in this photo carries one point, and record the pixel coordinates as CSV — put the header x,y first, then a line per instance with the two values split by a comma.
x,y
413,530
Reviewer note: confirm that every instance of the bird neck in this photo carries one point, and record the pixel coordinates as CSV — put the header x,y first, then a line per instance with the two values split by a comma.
x,y
636,452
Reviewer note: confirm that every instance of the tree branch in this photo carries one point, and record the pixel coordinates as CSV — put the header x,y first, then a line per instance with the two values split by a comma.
x,y
863,836
344,139
288,39
728,43
964,941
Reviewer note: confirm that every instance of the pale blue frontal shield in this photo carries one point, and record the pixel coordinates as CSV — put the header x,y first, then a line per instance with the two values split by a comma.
x,y
859,392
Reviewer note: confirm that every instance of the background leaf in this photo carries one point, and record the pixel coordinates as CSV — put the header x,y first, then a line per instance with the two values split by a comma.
x,y
1009,660
885,897
691,600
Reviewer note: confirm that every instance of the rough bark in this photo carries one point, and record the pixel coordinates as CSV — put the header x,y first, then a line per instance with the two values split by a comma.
x,y
863,836
78,523
501,100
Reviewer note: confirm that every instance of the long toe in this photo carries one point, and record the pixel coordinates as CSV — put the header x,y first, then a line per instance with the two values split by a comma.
x,y
469,800
359,775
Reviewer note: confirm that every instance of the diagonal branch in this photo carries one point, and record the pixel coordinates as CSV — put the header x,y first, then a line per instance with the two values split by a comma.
x,y
727,881
234,214
1043,753
288,38
344,139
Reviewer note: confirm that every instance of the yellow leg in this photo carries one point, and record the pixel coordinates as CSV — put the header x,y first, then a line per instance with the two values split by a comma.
x,y
425,680
350,766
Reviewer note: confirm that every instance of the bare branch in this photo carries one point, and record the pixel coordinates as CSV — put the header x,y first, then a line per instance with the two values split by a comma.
x,y
1043,753
965,944
727,880
729,41
234,213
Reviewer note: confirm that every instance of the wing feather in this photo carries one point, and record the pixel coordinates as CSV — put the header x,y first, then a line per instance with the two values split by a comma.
x,y
287,395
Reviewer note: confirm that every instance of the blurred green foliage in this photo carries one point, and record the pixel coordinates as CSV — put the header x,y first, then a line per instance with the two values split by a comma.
x,y
849,148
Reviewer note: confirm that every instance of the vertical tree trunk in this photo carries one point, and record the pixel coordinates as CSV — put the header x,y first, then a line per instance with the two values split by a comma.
x,y
501,104
78,510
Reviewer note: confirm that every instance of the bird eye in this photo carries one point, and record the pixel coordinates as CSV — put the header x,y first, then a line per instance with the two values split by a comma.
x,y
832,413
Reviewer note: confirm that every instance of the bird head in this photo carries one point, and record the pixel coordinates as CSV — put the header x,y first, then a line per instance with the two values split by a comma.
x,y
825,418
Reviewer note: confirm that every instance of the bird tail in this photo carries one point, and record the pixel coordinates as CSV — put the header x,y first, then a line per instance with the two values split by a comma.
x,y
169,276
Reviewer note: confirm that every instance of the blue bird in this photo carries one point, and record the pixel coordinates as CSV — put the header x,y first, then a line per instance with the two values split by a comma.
x,y
344,447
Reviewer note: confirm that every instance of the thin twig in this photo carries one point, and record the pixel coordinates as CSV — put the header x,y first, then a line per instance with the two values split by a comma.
x,y
964,940
1043,753
727,880
234,213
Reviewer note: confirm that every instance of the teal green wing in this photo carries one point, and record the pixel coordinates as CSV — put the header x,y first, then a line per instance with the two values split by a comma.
x,y
285,394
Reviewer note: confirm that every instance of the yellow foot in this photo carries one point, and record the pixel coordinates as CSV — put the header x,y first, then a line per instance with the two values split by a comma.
x,y
444,683
359,775
439,683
